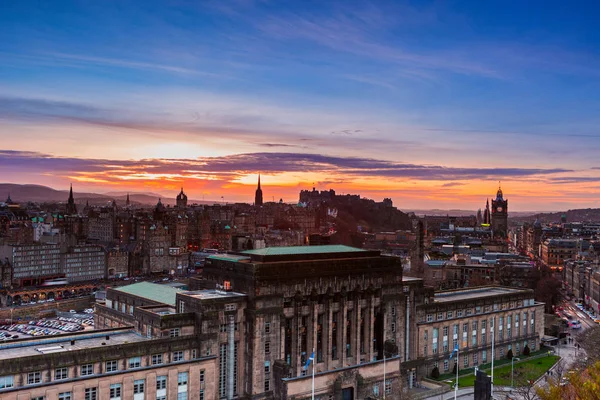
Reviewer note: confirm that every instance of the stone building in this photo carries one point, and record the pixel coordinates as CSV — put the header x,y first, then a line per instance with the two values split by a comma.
x,y
340,302
555,251
117,263
33,263
466,317
84,263
106,364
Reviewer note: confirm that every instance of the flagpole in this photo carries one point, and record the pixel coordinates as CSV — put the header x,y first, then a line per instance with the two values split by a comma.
x,y
457,360
313,377
493,356
384,373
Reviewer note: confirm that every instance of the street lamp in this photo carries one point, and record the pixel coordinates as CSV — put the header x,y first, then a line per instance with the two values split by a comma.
x,y
512,371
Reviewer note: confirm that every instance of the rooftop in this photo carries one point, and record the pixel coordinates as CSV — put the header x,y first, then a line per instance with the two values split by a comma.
x,y
152,291
474,293
57,344
211,294
301,250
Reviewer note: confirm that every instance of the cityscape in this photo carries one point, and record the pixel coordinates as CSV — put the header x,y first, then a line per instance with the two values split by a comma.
x,y
258,200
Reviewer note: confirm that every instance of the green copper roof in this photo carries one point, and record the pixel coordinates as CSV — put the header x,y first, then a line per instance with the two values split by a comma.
x,y
298,250
152,291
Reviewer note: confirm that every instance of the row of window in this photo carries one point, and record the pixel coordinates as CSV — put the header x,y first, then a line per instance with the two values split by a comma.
x,y
88,369
116,389
477,310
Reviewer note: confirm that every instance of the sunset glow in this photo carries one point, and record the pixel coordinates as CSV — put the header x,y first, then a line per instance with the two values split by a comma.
x,y
358,99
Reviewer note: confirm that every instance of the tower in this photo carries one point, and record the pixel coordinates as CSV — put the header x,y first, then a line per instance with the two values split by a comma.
x,y
181,200
258,197
127,203
500,215
71,207
486,213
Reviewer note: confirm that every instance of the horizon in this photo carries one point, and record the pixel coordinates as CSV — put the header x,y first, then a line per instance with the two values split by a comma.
x,y
170,197
427,103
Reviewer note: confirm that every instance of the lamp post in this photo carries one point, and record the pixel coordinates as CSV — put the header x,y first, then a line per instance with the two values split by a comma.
x,y
512,371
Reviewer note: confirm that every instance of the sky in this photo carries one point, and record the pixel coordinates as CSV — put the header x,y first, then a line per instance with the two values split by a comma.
x,y
430,103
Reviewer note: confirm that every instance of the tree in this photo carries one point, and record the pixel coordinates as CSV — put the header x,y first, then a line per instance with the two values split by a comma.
x,y
509,355
582,385
588,340
435,373
525,377
526,350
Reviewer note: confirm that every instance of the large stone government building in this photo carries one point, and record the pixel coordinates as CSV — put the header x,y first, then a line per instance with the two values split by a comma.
x,y
247,329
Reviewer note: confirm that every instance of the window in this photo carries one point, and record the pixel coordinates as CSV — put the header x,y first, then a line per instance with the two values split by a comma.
x,y
429,317
157,359
161,397
87,369
61,373
194,354
182,396
267,347
181,306
393,327
267,385
267,327
459,313
115,391
161,382
388,387
174,332
445,331
376,389
440,316
466,360
177,356
449,314
446,366
34,377
112,366
138,386
182,379
202,377
267,367
64,396
201,394
393,311
484,356
91,394
135,362
475,359
7,382
425,335
38,398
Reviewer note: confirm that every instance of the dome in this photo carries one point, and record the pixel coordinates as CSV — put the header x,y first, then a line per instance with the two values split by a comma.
x,y
181,195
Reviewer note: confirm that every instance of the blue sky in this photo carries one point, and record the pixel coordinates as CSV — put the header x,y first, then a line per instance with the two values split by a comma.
x,y
507,89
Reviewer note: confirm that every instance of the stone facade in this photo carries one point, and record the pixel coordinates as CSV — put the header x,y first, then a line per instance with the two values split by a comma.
x,y
117,264
465,318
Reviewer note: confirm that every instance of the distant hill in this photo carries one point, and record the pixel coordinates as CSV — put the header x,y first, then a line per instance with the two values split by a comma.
x,y
577,215
40,194
462,213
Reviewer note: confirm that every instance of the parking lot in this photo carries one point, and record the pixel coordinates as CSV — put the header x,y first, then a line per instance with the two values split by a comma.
x,y
47,326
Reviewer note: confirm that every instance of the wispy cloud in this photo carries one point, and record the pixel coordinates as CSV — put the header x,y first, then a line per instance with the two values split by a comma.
x,y
273,163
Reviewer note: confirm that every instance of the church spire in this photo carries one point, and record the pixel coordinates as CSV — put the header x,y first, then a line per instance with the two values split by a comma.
x,y
127,201
71,207
258,196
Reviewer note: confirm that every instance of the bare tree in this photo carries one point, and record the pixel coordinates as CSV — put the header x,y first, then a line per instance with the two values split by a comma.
x,y
525,383
588,340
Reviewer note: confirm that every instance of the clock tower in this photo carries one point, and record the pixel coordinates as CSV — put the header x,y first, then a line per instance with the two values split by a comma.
x,y
500,215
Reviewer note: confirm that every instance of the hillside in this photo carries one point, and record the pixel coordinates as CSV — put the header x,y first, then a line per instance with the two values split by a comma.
x,y
578,215
41,194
